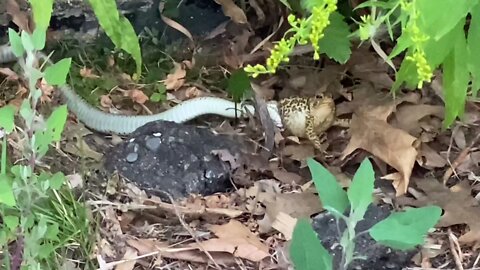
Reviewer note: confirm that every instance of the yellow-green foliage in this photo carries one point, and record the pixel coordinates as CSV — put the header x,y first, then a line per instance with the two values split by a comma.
x,y
303,31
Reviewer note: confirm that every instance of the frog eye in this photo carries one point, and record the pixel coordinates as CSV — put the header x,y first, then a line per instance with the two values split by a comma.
x,y
320,96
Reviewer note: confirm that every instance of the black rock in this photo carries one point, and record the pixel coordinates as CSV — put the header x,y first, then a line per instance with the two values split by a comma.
x,y
175,158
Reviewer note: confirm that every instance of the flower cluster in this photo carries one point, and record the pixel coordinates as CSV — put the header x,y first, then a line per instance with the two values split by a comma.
x,y
424,71
303,31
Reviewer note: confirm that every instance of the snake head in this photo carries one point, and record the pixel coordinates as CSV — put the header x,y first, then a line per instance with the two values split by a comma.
x,y
272,107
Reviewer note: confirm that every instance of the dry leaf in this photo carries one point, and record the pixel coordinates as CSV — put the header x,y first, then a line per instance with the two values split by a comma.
x,y
391,145
11,75
176,79
18,17
459,206
75,180
237,239
285,224
407,116
287,177
106,101
136,95
88,73
230,9
130,256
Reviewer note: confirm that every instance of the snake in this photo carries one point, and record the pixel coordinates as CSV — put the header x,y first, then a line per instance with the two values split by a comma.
x,y
120,124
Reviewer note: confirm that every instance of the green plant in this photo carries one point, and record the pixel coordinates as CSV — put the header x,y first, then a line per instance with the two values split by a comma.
x,y
39,216
400,230
432,36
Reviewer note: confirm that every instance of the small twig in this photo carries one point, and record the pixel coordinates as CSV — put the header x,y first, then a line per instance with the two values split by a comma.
x,y
460,158
453,245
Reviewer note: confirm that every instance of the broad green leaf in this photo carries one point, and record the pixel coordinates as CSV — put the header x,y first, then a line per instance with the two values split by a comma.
x,y
45,250
7,114
118,28
56,122
53,132
6,193
455,80
403,42
473,42
42,12
336,44
439,19
56,74
15,43
306,251
11,222
360,191
27,41
238,84
52,232
330,192
38,38
405,230
57,180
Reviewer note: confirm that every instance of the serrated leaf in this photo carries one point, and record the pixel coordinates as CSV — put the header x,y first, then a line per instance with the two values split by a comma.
x,y
6,193
330,192
336,44
473,47
238,84
15,43
455,79
306,251
42,12
56,74
7,114
360,191
405,230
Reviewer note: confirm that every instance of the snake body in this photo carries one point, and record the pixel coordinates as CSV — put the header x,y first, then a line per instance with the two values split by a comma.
x,y
126,124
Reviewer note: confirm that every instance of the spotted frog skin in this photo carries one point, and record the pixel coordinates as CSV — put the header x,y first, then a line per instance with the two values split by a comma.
x,y
310,117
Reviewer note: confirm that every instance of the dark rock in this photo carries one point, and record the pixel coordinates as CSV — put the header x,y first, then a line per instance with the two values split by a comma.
x,y
376,256
174,158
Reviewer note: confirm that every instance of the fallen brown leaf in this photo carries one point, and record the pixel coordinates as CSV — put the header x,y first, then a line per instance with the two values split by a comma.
x,y
18,17
130,262
136,96
230,9
459,206
176,79
392,145
237,239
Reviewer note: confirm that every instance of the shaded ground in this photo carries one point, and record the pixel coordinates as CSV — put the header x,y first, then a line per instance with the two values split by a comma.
x,y
403,136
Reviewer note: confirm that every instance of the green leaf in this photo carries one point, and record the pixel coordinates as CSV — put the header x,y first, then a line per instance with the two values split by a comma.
x,y
42,12
6,193
52,232
405,230
15,43
361,189
306,251
330,192
455,79
473,42
56,74
11,222
56,122
38,38
118,28
439,19
57,180
336,44
238,84
27,41
7,114
53,132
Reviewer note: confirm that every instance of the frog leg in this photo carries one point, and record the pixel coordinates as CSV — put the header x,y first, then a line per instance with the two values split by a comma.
x,y
312,135
345,123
